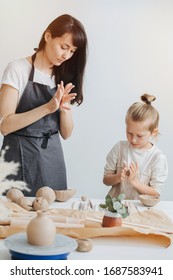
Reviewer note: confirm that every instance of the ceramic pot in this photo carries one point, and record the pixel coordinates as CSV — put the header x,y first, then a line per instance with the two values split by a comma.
x,y
41,230
111,219
64,195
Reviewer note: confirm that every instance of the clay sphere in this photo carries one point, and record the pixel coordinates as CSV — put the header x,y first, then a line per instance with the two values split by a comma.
x,y
40,203
84,245
46,192
14,194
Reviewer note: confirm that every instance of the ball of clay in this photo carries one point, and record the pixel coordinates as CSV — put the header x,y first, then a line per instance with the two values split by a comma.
x,y
25,203
14,194
128,173
40,203
84,245
46,192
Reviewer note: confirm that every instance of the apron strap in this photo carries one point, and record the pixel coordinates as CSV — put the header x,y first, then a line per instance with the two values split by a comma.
x,y
45,140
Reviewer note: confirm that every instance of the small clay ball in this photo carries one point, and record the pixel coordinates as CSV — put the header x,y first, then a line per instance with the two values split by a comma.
x,y
14,194
84,245
128,173
40,203
46,192
25,203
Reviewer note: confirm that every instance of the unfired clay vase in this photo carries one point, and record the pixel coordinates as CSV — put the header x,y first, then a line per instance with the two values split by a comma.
x,y
46,192
41,230
14,194
111,219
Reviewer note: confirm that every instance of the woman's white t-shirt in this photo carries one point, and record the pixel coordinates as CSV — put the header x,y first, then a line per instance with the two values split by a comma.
x,y
17,74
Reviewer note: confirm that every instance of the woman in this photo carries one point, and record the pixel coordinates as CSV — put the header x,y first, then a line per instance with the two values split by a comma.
x,y
35,103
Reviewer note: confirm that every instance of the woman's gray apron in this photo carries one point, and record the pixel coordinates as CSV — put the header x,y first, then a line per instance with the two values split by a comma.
x,y
37,147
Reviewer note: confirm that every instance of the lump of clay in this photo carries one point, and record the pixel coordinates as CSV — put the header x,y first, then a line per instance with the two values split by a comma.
x,y
84,245
64,195
40,203
46,192
14,194
25,203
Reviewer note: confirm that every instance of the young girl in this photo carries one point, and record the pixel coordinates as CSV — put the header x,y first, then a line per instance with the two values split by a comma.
x,y
35,103
137,166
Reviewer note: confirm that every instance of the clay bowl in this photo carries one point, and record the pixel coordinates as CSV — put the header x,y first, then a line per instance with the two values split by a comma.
x,y
149,200
64,195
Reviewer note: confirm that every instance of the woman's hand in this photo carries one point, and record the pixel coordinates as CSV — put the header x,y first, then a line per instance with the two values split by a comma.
x,y
67,96
61,98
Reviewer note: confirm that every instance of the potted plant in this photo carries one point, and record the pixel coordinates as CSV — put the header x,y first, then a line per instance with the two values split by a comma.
x,y
115,210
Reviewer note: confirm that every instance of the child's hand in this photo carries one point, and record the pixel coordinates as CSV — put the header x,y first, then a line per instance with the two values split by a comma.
x,y
124,173
133,170
129,174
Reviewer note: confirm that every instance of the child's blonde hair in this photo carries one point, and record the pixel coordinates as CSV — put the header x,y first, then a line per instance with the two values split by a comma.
x,y
142,111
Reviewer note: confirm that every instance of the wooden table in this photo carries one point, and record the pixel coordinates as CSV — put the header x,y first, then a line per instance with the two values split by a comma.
x,y
117,248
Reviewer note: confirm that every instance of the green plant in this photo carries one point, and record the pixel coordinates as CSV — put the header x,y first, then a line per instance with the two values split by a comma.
x,y
115,205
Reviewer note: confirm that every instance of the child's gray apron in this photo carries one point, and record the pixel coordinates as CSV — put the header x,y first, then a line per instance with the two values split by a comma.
x,y
37,147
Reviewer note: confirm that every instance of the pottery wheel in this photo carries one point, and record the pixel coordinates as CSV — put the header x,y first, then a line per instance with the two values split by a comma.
x,y
21,249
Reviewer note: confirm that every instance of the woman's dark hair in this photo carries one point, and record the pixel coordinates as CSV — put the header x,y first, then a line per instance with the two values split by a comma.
x,y
72,70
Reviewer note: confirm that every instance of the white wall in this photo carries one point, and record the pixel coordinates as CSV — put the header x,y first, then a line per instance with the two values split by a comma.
x,y
130,52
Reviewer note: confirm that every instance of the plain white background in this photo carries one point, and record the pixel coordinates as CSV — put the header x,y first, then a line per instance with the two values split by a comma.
x,y
130,52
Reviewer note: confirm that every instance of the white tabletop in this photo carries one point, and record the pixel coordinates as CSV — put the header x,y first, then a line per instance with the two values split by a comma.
x,y
117,248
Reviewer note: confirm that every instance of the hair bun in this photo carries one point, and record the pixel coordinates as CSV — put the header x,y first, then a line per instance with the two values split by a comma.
x,y
147,98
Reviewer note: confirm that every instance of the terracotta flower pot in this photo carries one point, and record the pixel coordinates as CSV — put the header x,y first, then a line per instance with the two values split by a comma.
x,y
111,219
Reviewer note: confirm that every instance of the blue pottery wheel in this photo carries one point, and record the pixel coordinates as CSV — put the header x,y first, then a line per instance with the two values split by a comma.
x,y
20,249
19,256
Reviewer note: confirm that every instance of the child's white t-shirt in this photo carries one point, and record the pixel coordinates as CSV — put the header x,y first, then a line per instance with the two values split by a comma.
x,y
153,168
